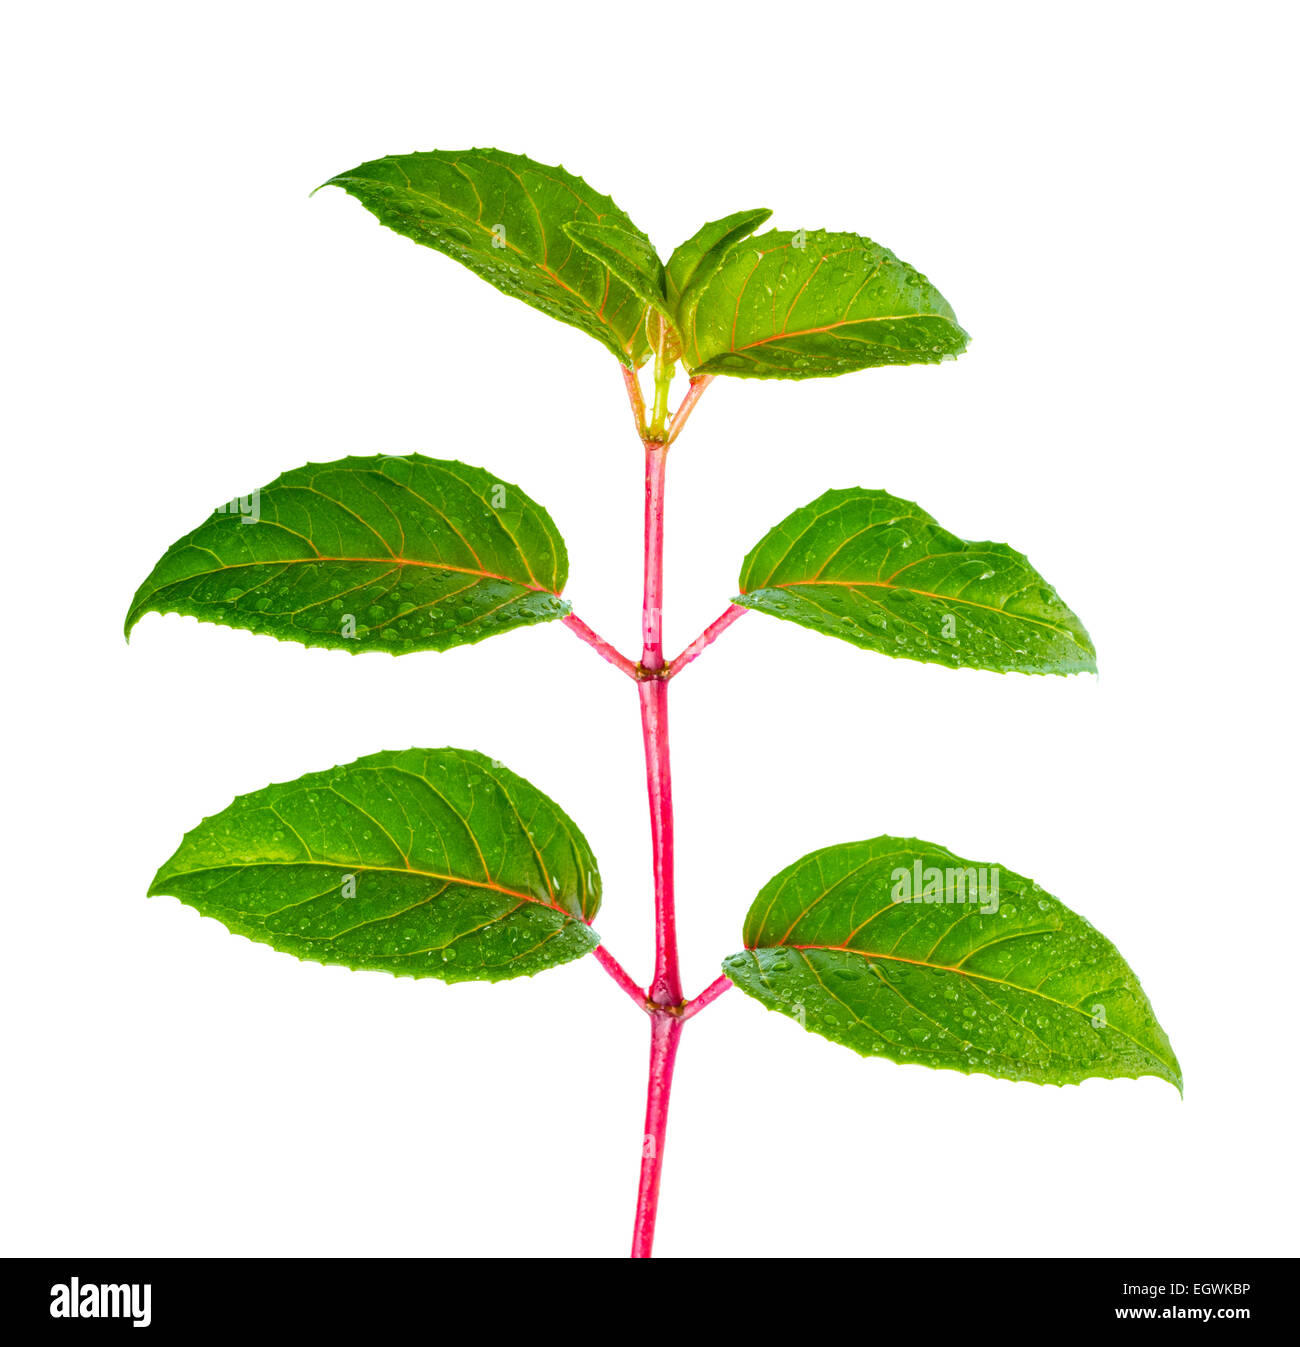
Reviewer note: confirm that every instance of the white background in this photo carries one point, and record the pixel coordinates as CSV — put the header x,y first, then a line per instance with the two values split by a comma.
x,y
1105,194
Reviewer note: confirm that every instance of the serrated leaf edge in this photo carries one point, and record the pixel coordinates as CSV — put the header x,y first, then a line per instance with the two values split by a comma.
x,y
158,888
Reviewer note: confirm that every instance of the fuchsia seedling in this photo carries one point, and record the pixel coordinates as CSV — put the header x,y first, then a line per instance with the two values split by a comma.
x,y
443,863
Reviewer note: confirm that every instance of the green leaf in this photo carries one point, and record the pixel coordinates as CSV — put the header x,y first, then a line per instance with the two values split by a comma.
x,y
870,945
806,304
424,863
391,553
629,257
878,572
696,260
503,216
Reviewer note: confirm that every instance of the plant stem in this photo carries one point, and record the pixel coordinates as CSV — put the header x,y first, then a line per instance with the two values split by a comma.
x,y
665,988
665,991
652,597
665,1032
657,430
663,999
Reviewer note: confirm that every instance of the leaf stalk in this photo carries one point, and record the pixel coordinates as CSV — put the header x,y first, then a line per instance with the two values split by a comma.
x,y
601,646
706,997
620,975
693,395
706,638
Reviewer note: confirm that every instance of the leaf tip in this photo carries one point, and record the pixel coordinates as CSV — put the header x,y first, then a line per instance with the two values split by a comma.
x,y
336,181
133,616
159,886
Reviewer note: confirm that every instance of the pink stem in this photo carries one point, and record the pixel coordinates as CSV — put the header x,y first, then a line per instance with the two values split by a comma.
x,y
706,997
637,398
598,643
665,990
706,638
652,653
693,395
620,975
665,1032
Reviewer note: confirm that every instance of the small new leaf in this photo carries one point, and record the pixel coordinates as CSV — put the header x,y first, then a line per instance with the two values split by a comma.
x,y
696,260
423,863
390,553
877,571
503,216
628,256
897,948
806,304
